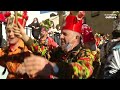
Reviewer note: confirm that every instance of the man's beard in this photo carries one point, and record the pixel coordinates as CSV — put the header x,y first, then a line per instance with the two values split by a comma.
x,y
66,47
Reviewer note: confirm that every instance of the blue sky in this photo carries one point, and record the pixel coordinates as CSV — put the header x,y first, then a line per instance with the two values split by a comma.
x,y
41,12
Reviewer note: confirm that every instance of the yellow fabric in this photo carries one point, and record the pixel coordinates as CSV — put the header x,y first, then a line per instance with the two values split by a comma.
x,y
13,64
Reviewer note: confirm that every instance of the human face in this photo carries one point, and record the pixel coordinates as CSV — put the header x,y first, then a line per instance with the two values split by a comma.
x,y
67,38
43,33
35,20
12,39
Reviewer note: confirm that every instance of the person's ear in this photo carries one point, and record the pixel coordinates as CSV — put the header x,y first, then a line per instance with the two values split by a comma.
x,y
77,37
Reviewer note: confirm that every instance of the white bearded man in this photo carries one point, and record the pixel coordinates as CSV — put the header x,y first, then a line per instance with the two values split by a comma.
x,y
70,61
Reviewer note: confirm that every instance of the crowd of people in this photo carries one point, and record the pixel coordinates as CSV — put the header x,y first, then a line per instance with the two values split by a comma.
x,y
71,51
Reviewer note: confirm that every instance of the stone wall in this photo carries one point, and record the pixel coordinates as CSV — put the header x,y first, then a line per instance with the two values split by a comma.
x,y
99,23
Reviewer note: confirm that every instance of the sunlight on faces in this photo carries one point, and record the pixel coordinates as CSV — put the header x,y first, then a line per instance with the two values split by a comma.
x,y
12,39
68,37
43,32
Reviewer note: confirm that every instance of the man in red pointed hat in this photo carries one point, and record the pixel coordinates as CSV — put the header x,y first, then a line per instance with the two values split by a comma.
x,y
69,61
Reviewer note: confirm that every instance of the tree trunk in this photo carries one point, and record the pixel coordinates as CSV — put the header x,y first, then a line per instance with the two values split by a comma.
x,y
61,17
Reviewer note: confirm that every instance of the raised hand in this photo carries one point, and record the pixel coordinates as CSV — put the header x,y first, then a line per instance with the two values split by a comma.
x,y
21,69
17,31
36,65
20,32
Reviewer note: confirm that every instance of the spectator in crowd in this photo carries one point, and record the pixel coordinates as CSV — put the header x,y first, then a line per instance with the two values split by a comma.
x,y
47,40
36,28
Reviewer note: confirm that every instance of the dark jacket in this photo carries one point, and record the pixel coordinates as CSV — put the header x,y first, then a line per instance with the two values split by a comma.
x,y
35,25
111,65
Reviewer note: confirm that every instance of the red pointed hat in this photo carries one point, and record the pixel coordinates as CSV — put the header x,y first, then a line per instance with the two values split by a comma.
x,y
22,18
72,23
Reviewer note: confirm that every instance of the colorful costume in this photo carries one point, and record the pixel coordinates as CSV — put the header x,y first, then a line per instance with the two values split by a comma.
x,y
89,39
38,48
20,16
12,59
4,15
47,40
75,64
9,58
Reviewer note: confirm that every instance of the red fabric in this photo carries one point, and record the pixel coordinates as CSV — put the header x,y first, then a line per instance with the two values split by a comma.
x,y
25,16
2,17
90,68
7,14
97,41
22,20
71,23
87,34
51,43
